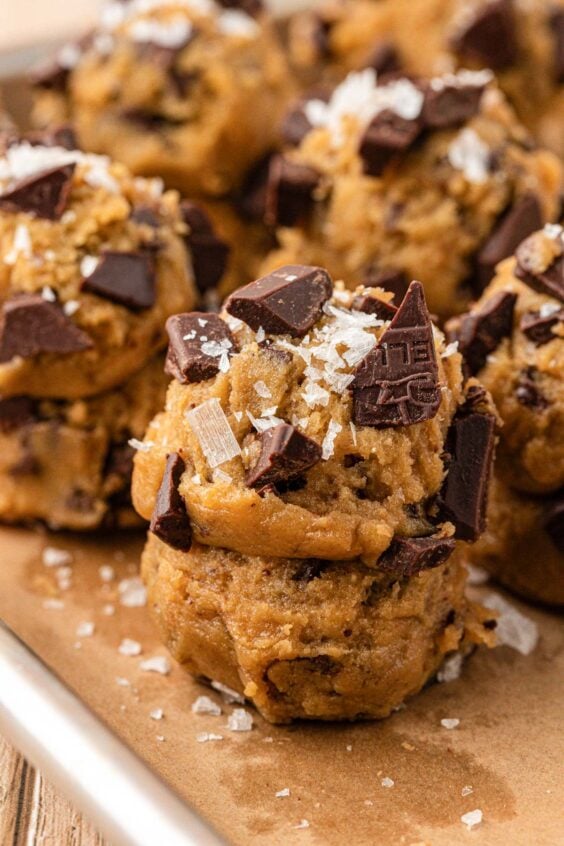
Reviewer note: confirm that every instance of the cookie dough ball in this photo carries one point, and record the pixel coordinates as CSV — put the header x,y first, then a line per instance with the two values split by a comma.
x,y
93,263
405,180
312,422
522,42
513,340
309,639
188,91
523,545
68,463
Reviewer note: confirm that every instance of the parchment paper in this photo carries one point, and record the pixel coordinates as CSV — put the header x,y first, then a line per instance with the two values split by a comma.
x,y
508,746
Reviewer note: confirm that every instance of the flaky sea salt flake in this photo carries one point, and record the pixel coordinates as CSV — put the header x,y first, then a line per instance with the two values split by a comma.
x,y
157,664
231,696
130,647
240,720
206,705
472,818
212,429
513,628
132,592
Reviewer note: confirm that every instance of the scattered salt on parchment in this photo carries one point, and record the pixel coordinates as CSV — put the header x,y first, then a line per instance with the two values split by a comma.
x,y
156,664
53,557
280,794
130,648
472,818
85,629
231,696
132,592
387,782
513,628
449,723
240,720
205,736
205,705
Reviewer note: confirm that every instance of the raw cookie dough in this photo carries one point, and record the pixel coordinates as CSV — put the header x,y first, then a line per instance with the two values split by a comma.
x,y
522,41
523,545
513,340
309,639
68,463
188,91
410,179
298,436
93,263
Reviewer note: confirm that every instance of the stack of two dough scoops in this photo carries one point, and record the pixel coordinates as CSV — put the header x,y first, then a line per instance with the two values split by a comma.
x,y
319,457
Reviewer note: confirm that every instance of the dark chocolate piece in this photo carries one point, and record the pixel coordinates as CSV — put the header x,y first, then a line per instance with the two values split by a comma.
x,y
523,218
309,569
396,384
464,496
286,302
209,253
196,343
372,305
16,412
127,279
528,393
289,193
539,328
549,281
295,126
44,195
57,136
554,522
389,279
557,27
387,136
384,58
251,7
285,454
30,325
490,36
170,521
450,104
479,333
405,557
145,215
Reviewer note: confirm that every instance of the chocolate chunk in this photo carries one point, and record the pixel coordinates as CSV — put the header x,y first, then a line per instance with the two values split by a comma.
x,y
119,463
16,412
285,454
295,126
44,195
389,279
170,521
396,384
538,328
528,393
479,333
384,58
523,218
51,76
286,302
209,253
557,27
127,279
490,36
464,497
275,353
549,280
250,200
448,104
321,36
30,325
351,460
289,193
386,136
554,522
146,216
199,341
407,556
251,7
372,305
308,570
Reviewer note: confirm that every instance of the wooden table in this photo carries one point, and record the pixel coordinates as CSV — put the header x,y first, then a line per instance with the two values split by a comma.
x,y
32,812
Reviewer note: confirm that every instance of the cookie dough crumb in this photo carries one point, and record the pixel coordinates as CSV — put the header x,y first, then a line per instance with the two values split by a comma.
x,y
513,628
472,819
205,705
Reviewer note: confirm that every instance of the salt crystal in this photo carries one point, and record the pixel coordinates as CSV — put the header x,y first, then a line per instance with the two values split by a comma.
x,y
280,794
108,610
349,748
513,628
302,824
132,592
260,335
450,723
472,819
53,604
71,307
262,389
205,736
140,446
548,309
237,24
212,429
467,790
21,245
327,448
387,782
353,433
68,56
469,154
553,231
262,424
477,575
161,738
88,265
156,714
48,294
228,693
106,572
451,669
240,720
171,34
219,476
450,349
53,557
233,322
157,664
196,479
206,705
123,682
129,647
314,395
238,415
85,629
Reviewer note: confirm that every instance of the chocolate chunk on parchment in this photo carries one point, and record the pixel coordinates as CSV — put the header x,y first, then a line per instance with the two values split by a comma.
x,y
464,496
450,103
532,270
554,521
170,521
523,218
30,325
199,342
290,192
285,454
44,195
372,305
396,384
528,392
489,36
127,279
480,332
209,253
286,302
538,326
387,136
383,58
16,412
557,27
407,556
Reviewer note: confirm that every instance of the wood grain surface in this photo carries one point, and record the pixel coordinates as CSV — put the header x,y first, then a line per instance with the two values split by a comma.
x,y
33,813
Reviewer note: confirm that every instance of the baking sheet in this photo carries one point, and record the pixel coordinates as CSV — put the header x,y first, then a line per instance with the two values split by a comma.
x,y
508,747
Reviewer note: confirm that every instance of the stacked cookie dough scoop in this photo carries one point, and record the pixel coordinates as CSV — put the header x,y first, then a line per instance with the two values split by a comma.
x,y
316,462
